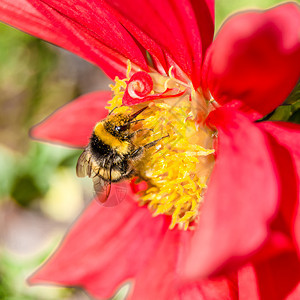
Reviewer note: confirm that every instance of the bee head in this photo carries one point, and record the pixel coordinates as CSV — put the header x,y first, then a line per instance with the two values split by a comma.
x,y
118,125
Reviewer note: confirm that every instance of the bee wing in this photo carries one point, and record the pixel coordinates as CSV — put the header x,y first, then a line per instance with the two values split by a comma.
x,y
102,187
84,164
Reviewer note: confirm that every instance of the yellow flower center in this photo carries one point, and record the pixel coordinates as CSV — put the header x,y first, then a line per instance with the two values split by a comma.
x,y
178,167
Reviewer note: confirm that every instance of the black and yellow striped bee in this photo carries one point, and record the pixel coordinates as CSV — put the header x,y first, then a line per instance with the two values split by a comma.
x,y
111,154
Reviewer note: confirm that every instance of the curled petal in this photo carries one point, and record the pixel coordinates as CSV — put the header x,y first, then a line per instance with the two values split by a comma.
x,y
254,62
73,123
138,87
241,200
144,87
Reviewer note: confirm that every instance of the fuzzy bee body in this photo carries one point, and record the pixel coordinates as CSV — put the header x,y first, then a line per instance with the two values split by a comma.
x,y
111,154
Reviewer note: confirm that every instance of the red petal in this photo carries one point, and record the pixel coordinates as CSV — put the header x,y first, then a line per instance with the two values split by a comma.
x,y
273,279
215,289
160,279
94,18
268,282
205,15
21,14
37,18
247,284
288,184
254,61
283,226
138,87
277,277
73,123
241,199
105,247
157,55
295,294
288,135
175,27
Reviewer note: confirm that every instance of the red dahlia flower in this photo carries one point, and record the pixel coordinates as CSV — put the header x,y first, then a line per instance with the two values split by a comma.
x,y
224,189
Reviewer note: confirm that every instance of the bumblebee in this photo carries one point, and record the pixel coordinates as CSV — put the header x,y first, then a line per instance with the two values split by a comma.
x,y
111,154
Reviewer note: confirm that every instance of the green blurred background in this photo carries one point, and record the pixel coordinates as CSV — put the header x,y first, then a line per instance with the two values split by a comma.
x,y
39,193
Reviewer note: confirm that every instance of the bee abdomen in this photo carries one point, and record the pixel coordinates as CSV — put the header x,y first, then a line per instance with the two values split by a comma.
x,y
111,175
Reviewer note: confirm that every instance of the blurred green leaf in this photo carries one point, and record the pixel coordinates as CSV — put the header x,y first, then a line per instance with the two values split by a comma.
x,y
286,112
122,292
282,113
25,189
224,8
294,95
27,178
7,171
14,270
295,117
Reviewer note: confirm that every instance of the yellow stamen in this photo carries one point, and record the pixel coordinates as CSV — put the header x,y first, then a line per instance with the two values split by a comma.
x,y
178,167
128,69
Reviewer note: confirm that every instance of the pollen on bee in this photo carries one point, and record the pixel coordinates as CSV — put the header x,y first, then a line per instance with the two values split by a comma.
x,y
178,167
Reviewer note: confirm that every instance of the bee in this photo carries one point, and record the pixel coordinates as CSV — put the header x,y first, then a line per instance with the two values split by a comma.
x,y
111,154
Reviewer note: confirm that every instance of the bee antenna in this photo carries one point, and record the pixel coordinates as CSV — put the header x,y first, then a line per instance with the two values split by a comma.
x,y
135,121
137,113
113,110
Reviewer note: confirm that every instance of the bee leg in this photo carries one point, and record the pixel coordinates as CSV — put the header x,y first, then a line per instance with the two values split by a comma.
x,y
149,145
130,136
139,151
142,129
